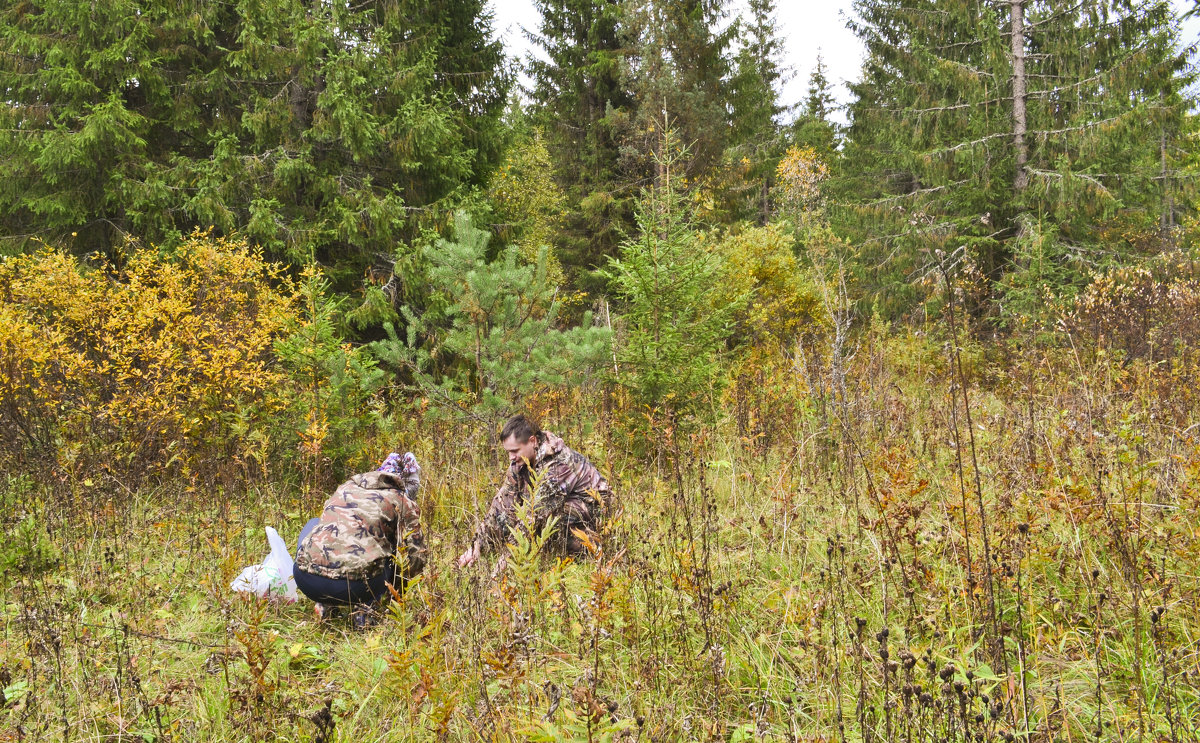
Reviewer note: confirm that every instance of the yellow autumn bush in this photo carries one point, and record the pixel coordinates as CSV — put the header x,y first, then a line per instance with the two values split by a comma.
x,y
781,319
800,175
781,303
1147,311
1147,317
157,365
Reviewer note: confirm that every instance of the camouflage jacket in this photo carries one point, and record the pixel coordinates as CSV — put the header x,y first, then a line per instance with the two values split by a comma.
x,y
570,488
369,517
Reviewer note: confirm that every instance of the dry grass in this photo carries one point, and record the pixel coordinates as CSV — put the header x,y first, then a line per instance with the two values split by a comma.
x,y
832,586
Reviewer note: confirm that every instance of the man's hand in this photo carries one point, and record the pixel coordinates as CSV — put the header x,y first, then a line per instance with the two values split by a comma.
x,y
468,557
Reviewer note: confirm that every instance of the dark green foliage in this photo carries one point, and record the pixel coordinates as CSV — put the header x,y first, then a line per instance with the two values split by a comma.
x,y
903,182
95,96
813,127
755,138
698,49
26,550
679,67
395,108
322,131
581,103
933,156
332,380
676,317
613,73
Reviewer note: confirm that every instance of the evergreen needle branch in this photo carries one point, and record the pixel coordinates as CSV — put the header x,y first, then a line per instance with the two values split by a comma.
x,y
1090,124
939,109
1064,176
1064,12
918,192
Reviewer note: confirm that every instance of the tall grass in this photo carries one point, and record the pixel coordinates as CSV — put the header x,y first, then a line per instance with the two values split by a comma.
x,y
828,587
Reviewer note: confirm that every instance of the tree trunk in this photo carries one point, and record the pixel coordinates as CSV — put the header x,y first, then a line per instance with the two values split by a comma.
x,y
1167,221
1016,9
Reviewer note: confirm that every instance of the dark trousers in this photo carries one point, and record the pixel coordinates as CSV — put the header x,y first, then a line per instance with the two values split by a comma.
x,y
343,591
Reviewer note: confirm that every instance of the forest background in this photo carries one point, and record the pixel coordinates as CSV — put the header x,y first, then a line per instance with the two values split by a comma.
x,y
898,400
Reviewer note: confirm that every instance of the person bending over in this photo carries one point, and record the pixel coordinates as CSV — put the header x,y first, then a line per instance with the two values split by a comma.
x,y
346,557
570,489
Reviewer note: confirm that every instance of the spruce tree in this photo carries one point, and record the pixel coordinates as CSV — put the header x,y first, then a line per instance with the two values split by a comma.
x,y
581,102
98,99
974,122
675,319
678,68
471,67
323,131
755,107
699,50
361,125
814,126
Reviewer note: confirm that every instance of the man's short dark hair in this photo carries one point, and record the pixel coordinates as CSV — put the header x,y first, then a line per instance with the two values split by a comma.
x,y
520,427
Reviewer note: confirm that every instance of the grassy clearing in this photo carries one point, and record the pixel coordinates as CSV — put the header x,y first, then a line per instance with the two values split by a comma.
x,y
833,585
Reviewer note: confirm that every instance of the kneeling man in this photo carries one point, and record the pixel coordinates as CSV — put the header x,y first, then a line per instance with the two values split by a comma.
x,y
570,489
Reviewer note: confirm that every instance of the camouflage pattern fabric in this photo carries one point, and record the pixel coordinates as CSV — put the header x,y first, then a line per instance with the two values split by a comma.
x,y
369,517
570,488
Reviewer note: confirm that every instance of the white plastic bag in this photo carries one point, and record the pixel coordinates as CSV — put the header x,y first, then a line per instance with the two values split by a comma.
x,y
274,576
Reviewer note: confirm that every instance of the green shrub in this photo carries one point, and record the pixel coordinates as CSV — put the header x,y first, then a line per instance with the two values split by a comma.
x,y
675,319
26,549
490,336
332,386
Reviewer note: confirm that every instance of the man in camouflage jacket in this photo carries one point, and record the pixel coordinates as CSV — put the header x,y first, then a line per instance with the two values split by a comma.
x,y
348,554
570,489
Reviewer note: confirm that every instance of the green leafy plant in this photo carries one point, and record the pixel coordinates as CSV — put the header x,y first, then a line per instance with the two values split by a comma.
x,y
26,550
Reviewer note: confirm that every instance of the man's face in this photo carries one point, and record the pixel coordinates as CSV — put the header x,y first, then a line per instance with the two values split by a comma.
x,y
519,450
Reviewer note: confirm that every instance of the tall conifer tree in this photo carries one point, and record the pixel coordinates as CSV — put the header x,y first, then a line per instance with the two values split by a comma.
x,y
814,127
679,69
96,96
754,102
321,130
675,322
582,101
976,122
699,49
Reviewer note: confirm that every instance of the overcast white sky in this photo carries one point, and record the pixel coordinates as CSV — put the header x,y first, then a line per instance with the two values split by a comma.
x,y
807,27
